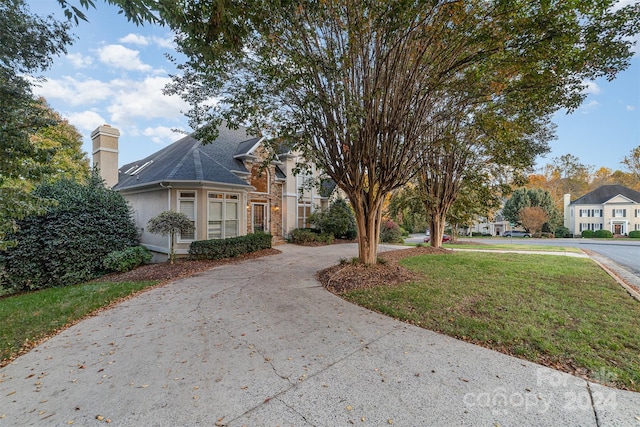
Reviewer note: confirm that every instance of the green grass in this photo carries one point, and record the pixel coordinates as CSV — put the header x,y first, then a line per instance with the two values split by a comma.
x,y
28,318
512,247
559,311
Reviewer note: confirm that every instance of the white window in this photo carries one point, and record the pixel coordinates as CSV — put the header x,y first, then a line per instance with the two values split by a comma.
x,y
187,206
304,211
619,213
597,213
223,215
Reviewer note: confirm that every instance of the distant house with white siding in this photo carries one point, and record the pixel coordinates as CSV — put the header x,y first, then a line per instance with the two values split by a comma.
x,y
610,207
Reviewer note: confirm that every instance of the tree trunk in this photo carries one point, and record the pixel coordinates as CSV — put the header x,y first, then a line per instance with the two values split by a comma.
x,y
437,228
368,220
171,254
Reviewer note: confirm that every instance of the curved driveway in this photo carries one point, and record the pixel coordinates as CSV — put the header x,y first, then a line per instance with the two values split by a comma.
x,y
261,343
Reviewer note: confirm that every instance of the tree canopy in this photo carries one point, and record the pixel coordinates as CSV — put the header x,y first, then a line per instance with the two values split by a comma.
x,y
28,44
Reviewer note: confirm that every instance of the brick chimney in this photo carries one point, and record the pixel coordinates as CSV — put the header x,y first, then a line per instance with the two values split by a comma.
x,y
105,153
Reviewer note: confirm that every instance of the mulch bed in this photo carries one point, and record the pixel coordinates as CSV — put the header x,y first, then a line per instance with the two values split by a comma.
x,y
166,272
353,276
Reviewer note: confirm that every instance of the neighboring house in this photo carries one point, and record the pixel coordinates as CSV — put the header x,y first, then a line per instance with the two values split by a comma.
x,y
497,227
222,187
611,207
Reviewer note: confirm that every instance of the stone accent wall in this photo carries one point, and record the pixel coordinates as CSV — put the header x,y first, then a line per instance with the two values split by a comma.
x,y
272,199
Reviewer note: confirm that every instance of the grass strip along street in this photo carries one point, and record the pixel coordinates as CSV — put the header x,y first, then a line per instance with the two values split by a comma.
x,y
561,312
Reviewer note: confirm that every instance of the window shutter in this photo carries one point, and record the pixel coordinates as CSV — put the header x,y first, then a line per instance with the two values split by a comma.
x,y
624,213
613,213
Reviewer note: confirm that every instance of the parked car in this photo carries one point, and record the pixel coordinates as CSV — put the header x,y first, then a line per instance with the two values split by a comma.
x,y
445,238
516,233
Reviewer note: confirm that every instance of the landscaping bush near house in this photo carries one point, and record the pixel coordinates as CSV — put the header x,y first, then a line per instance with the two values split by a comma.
x,y
338,220
634,234
562,232
68,243
231,247
390,232
587,233
546,235
300,236
127,259
602,234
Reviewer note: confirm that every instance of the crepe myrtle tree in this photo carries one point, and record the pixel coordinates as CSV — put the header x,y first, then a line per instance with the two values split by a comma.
x,y
168,223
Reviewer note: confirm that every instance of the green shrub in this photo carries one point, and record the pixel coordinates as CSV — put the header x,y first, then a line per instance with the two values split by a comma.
x,y
338,220
546,235
635,234
562,232
127,259
476,234
300,236
587,233
390,232
68,243
231,247
602,234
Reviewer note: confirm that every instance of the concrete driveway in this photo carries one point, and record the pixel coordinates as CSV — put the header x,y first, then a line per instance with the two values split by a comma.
x,y
261,343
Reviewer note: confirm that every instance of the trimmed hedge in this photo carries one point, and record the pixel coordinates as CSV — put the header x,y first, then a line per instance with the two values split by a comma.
x,y
602,234
635,234
231,247
301,236
127,259
587,233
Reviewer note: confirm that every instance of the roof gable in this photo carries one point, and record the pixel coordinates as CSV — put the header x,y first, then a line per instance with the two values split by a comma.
x,y
607,193
189,160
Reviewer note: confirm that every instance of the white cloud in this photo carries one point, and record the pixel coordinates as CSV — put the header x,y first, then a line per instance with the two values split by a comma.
x,y
86,120
144,99
162,134
79,61
589,106
74,91
630,108
134,39
137,39
118,56
592,87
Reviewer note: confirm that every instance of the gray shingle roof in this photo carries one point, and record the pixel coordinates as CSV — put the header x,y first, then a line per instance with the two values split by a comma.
x,y
605,193
189,160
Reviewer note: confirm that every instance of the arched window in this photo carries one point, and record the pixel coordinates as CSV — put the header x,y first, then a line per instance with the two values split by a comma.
x,y
260,178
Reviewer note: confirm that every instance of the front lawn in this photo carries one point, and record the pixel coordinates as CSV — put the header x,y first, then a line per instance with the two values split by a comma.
x,y
562,312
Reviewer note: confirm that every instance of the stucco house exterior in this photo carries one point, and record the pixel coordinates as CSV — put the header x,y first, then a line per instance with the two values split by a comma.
x,y
610,207
222,186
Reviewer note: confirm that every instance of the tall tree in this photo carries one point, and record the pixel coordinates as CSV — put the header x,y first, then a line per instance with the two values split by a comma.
x,y
65,142
523,198
632,162
27,45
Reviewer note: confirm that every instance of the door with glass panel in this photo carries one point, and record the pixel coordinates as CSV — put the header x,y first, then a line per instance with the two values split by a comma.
x,y
258,217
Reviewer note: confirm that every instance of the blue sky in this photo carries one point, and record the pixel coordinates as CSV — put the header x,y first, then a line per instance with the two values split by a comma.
x,y
115,71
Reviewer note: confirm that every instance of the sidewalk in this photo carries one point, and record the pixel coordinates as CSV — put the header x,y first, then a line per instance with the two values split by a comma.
x,y
261,343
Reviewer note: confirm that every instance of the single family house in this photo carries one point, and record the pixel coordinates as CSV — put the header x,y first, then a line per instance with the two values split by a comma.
x,y
224,187
610,207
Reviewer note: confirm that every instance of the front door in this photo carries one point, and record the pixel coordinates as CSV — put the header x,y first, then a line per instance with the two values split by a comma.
x,y
258,217
617,229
